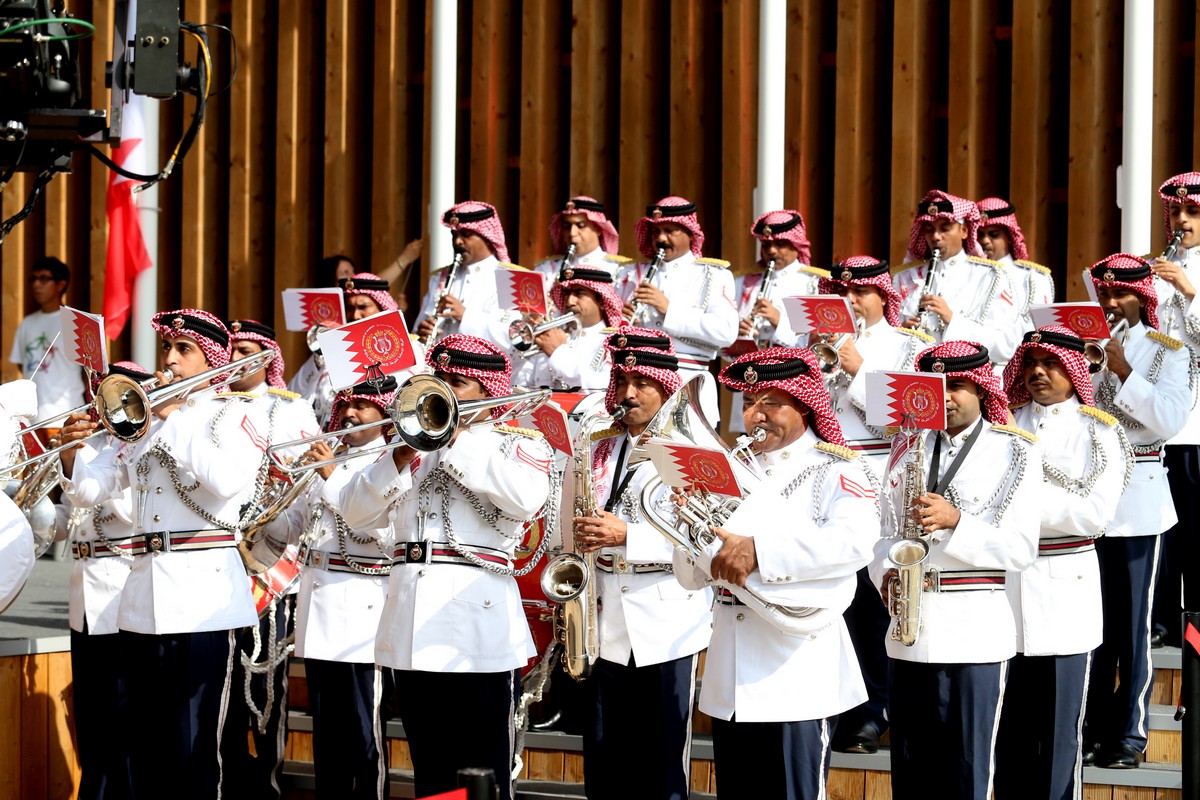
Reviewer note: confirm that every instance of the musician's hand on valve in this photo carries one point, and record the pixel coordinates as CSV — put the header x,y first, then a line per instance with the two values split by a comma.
x,y
651,296
425,329
628,310
934,513
603,530
77,428
451,306
911,323
849,359
736,559
320,451
889,576
745,328
1117,363
766,309
550,340
938,305
1173,274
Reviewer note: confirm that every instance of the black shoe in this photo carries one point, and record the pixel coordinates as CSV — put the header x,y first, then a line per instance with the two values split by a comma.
x,y
1089,754
1158,638
863,740
1120,756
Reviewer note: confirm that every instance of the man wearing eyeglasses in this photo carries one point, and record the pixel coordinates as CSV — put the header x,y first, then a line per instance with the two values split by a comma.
x,y
59,381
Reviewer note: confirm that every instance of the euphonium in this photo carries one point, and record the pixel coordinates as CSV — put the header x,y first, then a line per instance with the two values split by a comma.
x,y
909,554
931,323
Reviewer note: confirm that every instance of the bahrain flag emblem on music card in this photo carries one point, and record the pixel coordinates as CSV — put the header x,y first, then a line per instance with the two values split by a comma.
x,y
682,465
367,349
304,308
521,290
823,313
1086,319
906,400
84,338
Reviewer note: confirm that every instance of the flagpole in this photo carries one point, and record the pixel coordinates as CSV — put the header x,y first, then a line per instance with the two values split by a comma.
x,y
442,128
145,287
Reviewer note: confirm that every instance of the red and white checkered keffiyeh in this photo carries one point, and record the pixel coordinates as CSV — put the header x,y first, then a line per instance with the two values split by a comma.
x,y
1066,347
793,370
597,280
371,285
479,218
476,358
644,351
997,211
1133,273
1181,188
670,209
593,210
968,360
205,329
251,330
787,225
935,205
380,395
865,271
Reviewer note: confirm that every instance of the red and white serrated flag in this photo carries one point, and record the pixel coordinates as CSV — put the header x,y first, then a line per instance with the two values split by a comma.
x,y
682,465
823,313
83,338
127,254
1087,320
521,290
367,348
304,308
551,420
906,400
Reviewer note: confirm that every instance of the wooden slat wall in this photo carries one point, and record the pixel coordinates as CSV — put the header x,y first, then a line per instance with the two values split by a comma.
x,y
320,144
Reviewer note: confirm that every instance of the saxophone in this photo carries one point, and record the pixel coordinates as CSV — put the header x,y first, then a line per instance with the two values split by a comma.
x,y
909,555
568,579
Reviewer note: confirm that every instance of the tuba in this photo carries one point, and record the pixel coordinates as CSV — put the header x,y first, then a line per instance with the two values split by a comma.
x,y
690,527
909,554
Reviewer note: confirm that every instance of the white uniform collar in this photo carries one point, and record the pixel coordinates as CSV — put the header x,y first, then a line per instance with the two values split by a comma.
x,y
257,391
593,329
595,256
879,327
1006,260
491,262
957,441
683,260
958,258
1057,409
806,442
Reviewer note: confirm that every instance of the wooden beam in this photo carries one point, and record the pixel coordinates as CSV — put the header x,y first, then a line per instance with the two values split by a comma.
x,y
13,276
805,115
491,126
739,92
687,100
971,160
592,102
638,116
347,23
855,158
542,188
1172,142
1029,163
912,118
391,136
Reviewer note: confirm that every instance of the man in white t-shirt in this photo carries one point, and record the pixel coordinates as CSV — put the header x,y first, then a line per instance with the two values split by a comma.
x,y
59,380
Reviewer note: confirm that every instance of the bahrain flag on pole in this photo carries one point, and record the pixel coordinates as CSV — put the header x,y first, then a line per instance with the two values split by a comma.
x,y
127,255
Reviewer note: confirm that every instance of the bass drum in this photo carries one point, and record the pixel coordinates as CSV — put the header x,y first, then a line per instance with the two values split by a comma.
x,y
276,580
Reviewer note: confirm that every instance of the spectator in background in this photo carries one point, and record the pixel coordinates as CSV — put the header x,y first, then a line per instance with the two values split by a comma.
x,y
59,380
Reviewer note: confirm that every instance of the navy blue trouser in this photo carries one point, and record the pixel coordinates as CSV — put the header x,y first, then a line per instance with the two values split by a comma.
x,y
1039,752
642,721
455,720
868,621
349,748
1180,556
178,688
1128,566
97,666
785,760
944,719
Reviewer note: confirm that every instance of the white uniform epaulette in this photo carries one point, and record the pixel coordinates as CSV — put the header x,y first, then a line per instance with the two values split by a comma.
x,y
1164,340
531,433
284,393
608,433
1105,417
1013,430
510,265
917,333
820,273
836,450
237,395
1033,265
985,261
713,262
613,258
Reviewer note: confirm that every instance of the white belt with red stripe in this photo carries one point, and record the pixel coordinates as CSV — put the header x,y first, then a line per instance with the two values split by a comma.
x,y
335,562
442,553
157,542
1066,545
98,550
1146,456
871,447
964,580
619,565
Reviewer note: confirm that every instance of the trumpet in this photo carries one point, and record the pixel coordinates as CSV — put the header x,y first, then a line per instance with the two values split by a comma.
x,y
639,309
828,353
522,333
448,279
1094,351
931,323
763,293
425,413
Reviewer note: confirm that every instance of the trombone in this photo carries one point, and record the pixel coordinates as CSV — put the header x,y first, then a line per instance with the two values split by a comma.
x,y
425,413
1094,351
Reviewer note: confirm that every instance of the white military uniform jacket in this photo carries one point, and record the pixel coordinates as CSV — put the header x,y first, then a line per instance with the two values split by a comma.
x,y
611,263
311,382
475,287
1031,283
454,617
883,348
16,551
288,416
648,614
582,361
813,518
217,442
980,294
997,490
1056,601
96,583
792,280
1153,405
1179,318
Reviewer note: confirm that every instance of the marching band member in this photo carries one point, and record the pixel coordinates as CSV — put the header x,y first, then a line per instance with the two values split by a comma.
x,y
583,224
468,304
453,629
866,282
1001,238
366,295
1086,464
1146,387
287,419
979,509
689,298
1175,281
18,404
651,627
771,694
580,359
784,241
972,299
187,592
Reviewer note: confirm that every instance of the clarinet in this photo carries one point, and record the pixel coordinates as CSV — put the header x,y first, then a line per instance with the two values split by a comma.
x,y
1172,246
764,288
931,322
449,276
640,308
